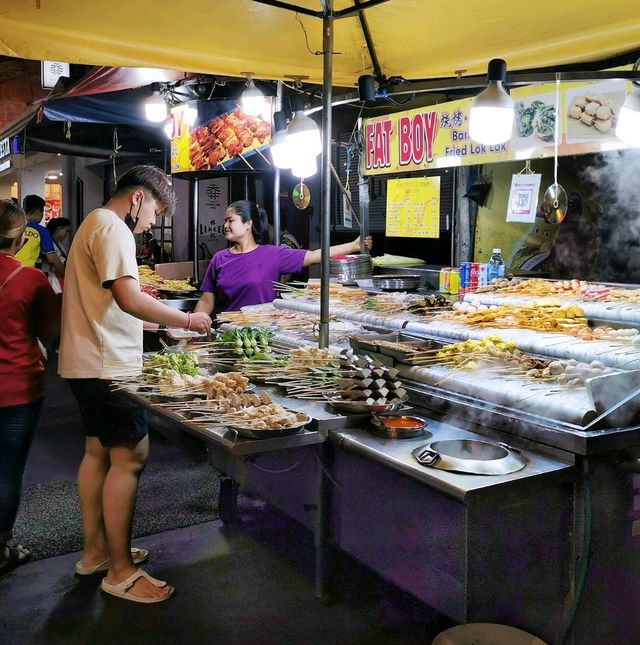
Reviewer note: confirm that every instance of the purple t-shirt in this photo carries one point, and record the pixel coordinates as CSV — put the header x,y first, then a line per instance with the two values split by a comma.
x,y
239,279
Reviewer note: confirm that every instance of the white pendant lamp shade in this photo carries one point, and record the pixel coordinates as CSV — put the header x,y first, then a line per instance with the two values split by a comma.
x,y
304,167
155,108
491,113
628,128
252,101
280,152
303,135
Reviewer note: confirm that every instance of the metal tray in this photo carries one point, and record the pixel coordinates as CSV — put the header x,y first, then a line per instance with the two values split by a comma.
x,y
259,433
397,282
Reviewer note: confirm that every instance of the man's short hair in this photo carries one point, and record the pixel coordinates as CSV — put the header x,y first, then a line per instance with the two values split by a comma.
x,y
33,203
154,181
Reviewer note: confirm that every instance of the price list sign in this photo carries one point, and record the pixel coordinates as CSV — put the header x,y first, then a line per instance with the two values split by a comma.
x,y
413,207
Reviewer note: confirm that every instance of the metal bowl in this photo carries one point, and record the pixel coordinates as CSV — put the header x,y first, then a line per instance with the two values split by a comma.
x,y
415,426
397,282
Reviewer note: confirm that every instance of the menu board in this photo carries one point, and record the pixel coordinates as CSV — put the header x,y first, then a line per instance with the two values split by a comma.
x,y
413,207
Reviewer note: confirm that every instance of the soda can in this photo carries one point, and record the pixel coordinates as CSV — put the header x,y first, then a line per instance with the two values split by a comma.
x,y
443,279
454,281
465,269
473,276
483,275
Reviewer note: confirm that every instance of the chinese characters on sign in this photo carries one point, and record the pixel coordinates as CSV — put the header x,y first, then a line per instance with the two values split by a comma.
x,y
213,197
413,207
51,71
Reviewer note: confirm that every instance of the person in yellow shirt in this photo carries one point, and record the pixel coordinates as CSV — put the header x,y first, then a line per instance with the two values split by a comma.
x,y
37,241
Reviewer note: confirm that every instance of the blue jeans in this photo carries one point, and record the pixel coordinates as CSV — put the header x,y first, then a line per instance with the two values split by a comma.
x,y
17,428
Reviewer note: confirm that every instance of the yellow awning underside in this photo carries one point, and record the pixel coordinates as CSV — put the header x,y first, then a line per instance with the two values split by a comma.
x,y
413,38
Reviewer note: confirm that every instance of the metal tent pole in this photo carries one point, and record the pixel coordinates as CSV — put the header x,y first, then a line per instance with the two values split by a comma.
x,y
325,181
276,180
195,218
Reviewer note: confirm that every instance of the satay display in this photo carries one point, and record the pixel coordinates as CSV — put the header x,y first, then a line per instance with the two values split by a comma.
x,y
225,137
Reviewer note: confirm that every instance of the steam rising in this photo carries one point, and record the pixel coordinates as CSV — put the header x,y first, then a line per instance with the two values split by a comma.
x,y
615,177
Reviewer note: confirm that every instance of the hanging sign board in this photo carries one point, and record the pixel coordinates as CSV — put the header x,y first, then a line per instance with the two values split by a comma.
x,y
222,138
51,71
437,136
413,207
213,199
5,154
523,198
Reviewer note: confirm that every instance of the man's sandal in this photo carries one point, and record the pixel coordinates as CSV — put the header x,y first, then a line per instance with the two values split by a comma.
x,y
139,556
121,589
17,555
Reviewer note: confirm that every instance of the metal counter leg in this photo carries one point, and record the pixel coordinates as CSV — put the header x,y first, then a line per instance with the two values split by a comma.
x,y
321,526
227,499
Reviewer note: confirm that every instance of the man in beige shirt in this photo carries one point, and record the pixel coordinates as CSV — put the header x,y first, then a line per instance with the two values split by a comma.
x,y
102,313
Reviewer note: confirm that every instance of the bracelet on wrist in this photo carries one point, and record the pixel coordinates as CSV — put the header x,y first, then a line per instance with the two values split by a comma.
x,y
188,322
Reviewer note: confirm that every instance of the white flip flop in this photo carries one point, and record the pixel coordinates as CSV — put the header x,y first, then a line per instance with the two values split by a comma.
x,y
139,556
121,589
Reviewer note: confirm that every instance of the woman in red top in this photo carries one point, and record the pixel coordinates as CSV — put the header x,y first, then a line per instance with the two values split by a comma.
x,y
29,311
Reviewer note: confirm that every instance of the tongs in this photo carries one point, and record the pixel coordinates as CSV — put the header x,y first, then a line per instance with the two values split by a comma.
x,y
425,455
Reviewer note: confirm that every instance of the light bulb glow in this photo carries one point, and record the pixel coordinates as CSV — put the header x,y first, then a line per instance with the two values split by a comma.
x,y
189,115
168,128
628,127
155,108
491,115
304,167
253,101
303,135
280,152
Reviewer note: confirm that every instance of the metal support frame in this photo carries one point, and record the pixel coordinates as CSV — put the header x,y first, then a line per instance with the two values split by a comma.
x,y
325,179
343,13
364,199
195,219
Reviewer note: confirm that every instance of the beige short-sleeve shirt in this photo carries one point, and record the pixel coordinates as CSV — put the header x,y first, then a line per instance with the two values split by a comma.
x,y
99,340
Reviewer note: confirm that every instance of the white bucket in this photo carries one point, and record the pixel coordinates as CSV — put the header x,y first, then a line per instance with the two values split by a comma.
x,y
485,634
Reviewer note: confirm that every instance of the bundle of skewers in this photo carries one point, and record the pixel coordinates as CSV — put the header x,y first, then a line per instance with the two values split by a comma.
x,y
311,290
493,355
291,321
429,305
367,381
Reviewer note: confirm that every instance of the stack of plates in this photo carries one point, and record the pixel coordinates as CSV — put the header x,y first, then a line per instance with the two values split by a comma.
x,y
349,268
400,282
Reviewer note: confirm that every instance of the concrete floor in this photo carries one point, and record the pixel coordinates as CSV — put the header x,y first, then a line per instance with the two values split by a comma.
x,y
250,582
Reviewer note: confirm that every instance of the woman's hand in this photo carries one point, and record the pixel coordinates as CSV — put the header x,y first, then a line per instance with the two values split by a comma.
x,y
368,242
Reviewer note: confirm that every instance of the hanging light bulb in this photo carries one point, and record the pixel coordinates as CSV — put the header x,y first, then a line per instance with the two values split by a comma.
x,y
304,166
252,99
303,135
189,115
628,128
155,108
491,113
280,152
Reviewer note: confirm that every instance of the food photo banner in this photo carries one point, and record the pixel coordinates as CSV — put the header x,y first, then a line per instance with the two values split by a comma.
x,y
437,136
222,138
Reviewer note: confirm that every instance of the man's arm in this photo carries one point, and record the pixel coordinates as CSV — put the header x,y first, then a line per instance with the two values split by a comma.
x,y
56,263
126,292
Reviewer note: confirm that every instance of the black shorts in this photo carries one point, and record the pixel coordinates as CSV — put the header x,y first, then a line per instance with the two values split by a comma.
x,y
108,415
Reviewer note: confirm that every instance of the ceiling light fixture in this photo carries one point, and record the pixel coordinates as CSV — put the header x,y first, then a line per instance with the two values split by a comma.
x,y
279,145
303,134
252,97
491,113
304,166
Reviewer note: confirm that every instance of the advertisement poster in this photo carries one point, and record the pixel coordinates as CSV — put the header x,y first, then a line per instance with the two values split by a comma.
x,y
51,209
213,199
437,136
222,138
523,198
413,207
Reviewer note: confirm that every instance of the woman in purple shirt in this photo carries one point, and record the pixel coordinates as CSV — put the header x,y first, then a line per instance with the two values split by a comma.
x,y
244,274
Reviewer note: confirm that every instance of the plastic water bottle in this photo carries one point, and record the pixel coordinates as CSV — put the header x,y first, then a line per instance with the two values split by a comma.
x,y
496,266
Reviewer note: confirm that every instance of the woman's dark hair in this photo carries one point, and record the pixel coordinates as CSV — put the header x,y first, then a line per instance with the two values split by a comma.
x,y
57,222
154,181
259,224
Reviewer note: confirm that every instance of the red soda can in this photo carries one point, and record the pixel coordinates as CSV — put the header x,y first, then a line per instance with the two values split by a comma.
x,y
473,276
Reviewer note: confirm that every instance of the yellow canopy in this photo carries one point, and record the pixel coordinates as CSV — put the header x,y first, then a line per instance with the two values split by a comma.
x,y
413,38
